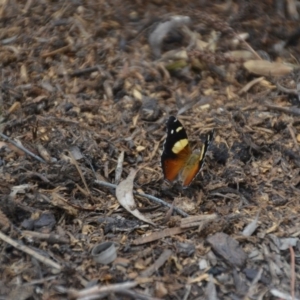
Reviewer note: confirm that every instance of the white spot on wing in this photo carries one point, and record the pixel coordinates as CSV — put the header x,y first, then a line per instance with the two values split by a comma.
x,y
172,131
179,128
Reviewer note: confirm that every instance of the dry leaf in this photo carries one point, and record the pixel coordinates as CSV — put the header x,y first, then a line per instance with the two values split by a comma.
x,y
267,68
125,197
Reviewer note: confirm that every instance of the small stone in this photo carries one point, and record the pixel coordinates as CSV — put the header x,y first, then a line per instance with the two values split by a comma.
x,y
203,264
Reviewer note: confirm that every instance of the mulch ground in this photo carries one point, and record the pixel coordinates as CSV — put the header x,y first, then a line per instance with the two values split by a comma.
x,y
86,90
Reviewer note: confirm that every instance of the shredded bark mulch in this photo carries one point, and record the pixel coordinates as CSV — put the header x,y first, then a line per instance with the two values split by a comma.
x,y
86,90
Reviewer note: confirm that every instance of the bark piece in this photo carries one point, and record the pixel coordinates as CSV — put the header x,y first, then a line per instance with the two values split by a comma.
x,y
228,248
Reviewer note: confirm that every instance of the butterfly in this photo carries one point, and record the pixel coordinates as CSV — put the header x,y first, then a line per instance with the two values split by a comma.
x,y
177,160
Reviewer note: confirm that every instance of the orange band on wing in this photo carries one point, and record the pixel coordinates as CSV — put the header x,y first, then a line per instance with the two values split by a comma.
x,y
171,168
189,173
173,165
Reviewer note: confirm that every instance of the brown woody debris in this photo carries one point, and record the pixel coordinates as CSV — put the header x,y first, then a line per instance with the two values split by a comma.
x,y
86,88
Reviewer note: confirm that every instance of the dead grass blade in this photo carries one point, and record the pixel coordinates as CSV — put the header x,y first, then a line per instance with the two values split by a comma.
x,y
96,291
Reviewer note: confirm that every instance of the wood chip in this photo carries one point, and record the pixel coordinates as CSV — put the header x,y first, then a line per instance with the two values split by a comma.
x,y
228,248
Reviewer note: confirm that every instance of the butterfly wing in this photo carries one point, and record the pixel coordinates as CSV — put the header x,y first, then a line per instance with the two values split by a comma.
x,y
176,149
195,163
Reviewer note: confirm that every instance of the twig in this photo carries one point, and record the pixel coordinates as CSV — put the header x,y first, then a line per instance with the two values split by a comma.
x,y
90,293
157,200
29,251
250,84
6,138
49,237
84,71
292,133
157,235
74,162
288,110
157,264
39,281
193,221
285,90
150,197
57,51
137,296
56,119
248,46
293,279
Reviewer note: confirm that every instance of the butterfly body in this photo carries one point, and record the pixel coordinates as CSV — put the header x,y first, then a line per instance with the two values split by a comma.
x,y
178,161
